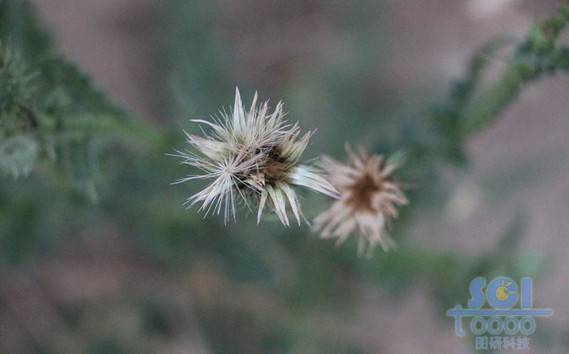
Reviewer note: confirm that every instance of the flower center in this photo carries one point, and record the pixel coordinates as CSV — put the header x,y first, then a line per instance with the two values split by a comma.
x,y
272,168
276,167
362,192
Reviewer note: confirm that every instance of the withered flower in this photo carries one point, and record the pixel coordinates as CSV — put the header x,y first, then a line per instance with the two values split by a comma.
x,y
252,156
369,199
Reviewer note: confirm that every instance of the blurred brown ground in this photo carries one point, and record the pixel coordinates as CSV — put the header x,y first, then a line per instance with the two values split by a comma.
x,y
116,42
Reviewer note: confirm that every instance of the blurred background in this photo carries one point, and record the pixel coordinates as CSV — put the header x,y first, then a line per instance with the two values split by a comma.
x,y
132,271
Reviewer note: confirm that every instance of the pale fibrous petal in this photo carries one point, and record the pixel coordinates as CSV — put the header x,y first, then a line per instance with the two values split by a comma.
x,y
309,177
215,150
251,155
292,200
238,114
279,204
262,202
369,198
294,149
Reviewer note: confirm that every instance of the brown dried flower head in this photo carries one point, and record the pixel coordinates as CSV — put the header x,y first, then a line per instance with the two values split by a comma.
x,y
369,199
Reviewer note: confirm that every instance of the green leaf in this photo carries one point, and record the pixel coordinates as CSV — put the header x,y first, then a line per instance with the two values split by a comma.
x,y
18,155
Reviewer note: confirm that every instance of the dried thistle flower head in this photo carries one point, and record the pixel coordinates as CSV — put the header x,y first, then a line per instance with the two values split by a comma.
x,y
369,198
251,156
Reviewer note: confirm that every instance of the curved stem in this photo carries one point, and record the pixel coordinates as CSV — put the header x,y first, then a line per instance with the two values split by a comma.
x,y
535,58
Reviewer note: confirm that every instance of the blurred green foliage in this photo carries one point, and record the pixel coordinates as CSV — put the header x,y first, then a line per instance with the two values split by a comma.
x,y
76,145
